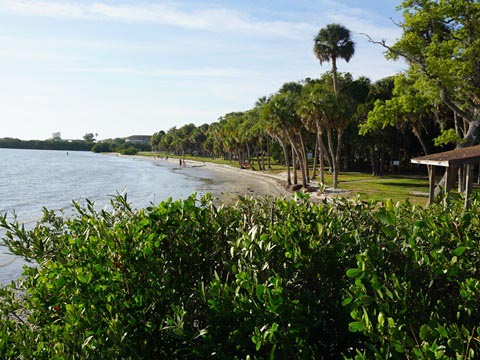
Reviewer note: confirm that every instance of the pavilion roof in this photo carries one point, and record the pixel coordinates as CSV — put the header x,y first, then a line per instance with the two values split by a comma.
x,y
453,158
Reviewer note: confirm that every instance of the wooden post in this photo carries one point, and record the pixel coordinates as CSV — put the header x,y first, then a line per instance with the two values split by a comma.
x,y
478,178
469,184
431,181
451,177
449,181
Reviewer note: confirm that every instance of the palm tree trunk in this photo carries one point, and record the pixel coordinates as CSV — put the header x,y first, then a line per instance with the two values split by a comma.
x,y
263,155
331,151
303,152
287,162
268,153
337,158
326,152
321,151
315,157
294,165
249,158
334,73
305,160
297,154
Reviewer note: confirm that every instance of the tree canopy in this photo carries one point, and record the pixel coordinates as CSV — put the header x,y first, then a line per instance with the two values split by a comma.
x,y
442,40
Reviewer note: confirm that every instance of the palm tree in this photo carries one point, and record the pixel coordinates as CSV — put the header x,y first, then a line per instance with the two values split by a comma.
x,y
333,42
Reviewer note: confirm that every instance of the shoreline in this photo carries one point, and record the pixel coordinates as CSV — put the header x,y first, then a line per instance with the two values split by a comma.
x,y
226,183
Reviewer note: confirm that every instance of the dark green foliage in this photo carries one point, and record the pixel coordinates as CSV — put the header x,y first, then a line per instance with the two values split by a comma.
x,y
126,149
263,279
102,147
52,144
416,287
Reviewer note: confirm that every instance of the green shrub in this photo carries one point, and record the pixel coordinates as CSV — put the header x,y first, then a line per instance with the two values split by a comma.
x,y
102,147
416,287
262,279
126,150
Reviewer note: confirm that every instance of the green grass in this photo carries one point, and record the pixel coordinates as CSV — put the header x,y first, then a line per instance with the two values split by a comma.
x,y
382,188
394,187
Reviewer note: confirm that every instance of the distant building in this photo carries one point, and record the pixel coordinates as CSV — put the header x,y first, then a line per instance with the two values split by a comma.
x,y
139,139
56,136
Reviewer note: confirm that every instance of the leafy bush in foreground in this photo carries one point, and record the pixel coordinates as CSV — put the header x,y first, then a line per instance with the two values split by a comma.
x,y
417,286
263,279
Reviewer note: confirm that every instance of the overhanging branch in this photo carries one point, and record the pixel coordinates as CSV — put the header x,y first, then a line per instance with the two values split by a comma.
x,y
397,53
451,105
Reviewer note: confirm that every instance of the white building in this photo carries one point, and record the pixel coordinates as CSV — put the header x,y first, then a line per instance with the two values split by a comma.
x,y
56,135
139,139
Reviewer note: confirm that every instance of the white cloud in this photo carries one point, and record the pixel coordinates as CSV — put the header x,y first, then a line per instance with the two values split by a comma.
x,y
210,19
44,8
87,74
192,72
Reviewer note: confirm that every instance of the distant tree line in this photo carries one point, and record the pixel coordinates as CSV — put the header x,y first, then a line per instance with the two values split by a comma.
x,y
87,144
50,144
120,145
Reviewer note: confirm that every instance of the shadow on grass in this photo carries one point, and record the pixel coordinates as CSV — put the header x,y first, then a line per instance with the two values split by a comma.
x,y
399,184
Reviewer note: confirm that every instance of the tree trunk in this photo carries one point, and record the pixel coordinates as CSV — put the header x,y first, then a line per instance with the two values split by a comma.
x,y
303,153
332,152
334,73
268,153
418,135
374,161
327,152
315,158
321,157
287,162
263,156
298,154
294,165
323,151
337,158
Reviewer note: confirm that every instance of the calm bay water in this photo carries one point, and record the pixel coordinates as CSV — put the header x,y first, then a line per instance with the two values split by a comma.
x,y
32,179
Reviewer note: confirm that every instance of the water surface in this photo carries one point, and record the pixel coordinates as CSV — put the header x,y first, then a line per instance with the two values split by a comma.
x,y
32,179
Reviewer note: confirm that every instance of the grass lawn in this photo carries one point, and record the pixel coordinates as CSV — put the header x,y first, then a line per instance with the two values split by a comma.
x,y
395,187
376,188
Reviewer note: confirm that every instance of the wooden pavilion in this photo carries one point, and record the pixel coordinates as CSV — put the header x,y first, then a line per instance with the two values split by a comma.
x,y
452,161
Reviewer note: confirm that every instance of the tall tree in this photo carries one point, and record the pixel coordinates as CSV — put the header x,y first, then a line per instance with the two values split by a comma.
x,y
441,40
331,43
272,115
408,109
377,141
312,114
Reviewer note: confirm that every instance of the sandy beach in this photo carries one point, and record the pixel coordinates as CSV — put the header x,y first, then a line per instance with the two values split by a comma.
x,y
227,183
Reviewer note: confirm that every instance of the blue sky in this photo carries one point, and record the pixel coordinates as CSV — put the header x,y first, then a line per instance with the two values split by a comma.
x,y
124,67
